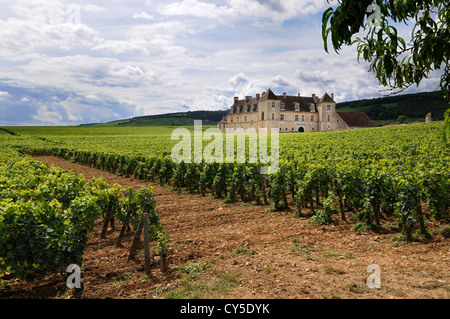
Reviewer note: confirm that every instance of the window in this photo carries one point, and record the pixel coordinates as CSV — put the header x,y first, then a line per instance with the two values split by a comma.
x,y
281,117
297,107
296,117
312,118
245,118
328,107
237,119
329,118
231,120
282,106
273,116
273,104
262,116
303,118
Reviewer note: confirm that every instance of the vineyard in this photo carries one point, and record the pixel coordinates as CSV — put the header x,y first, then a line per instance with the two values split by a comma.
x,y
381,180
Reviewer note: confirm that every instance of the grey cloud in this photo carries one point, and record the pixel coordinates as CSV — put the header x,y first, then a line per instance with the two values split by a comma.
x,y
51,106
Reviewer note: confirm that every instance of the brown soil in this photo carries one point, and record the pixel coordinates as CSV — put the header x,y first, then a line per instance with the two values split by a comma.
x,y
278,257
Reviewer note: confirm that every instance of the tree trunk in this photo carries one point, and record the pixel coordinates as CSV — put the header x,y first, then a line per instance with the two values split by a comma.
x,y
124,227
421,221
263,188
135,243
106,221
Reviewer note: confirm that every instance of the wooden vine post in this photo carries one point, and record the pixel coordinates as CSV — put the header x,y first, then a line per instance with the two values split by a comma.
x,y
106,221
124,228
146,244
143,226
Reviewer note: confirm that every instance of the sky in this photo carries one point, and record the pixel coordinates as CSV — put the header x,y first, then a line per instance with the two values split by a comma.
x,y
77,62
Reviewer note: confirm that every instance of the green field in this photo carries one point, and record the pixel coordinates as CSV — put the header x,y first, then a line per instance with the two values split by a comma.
x,y
398,174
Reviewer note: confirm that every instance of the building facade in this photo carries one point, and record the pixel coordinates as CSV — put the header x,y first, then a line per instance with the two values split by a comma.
x,y
291,114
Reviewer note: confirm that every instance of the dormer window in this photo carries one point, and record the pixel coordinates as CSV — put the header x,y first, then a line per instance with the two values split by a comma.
x,y
297,107
282,106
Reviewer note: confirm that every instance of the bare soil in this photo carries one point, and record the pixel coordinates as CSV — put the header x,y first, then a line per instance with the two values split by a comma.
x,y
240,251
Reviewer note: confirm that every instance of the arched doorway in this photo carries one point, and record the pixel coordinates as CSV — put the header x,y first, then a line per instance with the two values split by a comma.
x,y
301,129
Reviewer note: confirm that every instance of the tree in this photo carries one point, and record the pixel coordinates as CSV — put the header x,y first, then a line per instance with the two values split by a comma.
x,y
402,119
397,64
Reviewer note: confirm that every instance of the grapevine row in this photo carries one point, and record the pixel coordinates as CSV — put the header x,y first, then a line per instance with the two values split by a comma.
x,y
370,192
46,214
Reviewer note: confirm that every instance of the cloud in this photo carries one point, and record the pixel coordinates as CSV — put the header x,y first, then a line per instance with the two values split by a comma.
x,y
93,8
52,106
243,85
280,81
134,57
197,9
316,77
143,15
276,11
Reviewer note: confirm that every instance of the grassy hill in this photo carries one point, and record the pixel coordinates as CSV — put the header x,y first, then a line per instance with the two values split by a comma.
x,y
387,109
171,119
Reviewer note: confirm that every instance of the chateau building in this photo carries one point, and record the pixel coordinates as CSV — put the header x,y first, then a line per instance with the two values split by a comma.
x,y
291,114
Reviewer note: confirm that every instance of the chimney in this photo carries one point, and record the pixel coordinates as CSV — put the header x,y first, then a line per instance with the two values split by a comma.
x,y
332,96
299,94
257,96
248,97
236,99
284,95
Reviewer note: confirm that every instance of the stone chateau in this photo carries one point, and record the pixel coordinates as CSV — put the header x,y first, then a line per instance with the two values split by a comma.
x,y
291,114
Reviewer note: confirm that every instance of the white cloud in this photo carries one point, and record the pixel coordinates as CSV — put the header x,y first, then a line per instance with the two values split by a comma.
x,y
93,8
197,9
151,57
276,11
143,15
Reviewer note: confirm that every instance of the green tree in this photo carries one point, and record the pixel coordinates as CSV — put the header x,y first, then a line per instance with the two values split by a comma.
x,y
397,63
402,119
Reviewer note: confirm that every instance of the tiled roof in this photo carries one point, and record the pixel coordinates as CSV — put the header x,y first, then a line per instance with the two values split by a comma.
x,y
356,119
223,120
250,104
326,98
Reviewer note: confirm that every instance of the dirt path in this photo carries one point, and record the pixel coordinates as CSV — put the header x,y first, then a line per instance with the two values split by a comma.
x,y
242,251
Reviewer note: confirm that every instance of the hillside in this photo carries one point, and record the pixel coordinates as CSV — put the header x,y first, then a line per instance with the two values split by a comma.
x,y
171,119
387,109
382,110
